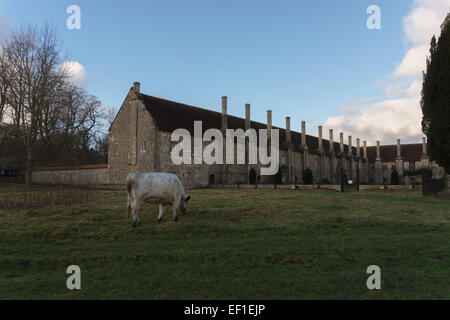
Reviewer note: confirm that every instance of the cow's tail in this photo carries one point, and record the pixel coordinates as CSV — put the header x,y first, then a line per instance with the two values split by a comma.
x,y
130,196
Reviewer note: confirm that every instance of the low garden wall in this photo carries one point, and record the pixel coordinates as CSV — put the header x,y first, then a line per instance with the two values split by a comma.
x,y
78,176
302,187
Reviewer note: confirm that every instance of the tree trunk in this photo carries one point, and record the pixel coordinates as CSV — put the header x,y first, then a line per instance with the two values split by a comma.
x,y
29,169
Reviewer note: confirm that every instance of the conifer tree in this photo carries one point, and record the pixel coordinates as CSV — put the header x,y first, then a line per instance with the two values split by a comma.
x,y
435,100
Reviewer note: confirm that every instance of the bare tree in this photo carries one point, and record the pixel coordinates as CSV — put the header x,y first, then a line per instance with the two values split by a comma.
x,y
44,111
32,76
3,86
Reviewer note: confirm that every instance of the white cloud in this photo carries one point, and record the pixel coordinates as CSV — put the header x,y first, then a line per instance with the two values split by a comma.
x,y
395,90
77,73
414,63
399,116
5,27
415,89
384,121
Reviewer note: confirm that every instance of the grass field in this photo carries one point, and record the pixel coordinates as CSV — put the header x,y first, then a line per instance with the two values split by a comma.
x,y
232,244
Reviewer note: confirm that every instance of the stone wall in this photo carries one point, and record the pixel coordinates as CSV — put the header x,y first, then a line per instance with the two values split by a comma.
x,y
132,144
81,176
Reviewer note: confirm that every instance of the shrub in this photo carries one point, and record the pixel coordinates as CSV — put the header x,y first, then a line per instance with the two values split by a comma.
x,y
419,172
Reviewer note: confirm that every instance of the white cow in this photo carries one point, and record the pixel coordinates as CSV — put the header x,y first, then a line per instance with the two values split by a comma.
x,y
158,188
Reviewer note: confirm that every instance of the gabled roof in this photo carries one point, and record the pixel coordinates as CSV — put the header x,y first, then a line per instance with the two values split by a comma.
x,y
409,152
170,115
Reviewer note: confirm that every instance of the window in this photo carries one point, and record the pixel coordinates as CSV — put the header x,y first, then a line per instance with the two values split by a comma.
x,y
394,168
143,147
116,150
412,165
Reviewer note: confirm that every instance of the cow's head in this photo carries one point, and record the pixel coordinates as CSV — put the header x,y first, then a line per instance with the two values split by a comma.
x,y
184,204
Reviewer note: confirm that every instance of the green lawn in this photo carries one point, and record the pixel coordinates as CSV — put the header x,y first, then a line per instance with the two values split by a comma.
x,y
232,244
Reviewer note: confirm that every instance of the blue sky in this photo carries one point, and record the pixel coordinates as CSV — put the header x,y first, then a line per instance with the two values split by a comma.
x,y
303,59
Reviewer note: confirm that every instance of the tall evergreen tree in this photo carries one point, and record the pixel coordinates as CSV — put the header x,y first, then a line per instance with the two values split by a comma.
x,y
435,100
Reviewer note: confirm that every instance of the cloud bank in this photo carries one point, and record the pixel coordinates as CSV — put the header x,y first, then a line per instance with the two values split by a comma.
x,y
77,73
400,115
5,27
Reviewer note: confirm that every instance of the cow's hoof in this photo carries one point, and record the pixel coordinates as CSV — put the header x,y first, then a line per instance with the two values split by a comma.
x,y
134,224
139,223
159,220
175,219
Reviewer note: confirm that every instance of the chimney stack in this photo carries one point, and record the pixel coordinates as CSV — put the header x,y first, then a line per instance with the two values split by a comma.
x,y
269,124
341,136
358,148
304,145
350,147
137,87
424,146
378,150
331,141
365,149
399,150
288,130
320,139
224,112
247,116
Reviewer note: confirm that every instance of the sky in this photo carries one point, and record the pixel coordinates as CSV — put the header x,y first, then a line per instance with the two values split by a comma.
x,y
310,60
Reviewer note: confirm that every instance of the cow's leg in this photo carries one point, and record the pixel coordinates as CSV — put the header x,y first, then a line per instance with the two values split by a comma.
x,y
139,222
161,209
134,213
175,218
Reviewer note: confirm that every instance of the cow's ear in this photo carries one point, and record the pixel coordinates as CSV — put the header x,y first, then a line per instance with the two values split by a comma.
x,y
188,198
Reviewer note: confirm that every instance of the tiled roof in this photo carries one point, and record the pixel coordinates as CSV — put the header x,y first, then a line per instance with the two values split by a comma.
x,y
409,152
170,115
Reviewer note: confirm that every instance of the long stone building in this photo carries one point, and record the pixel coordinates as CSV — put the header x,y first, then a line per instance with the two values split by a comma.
x,y
140,140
